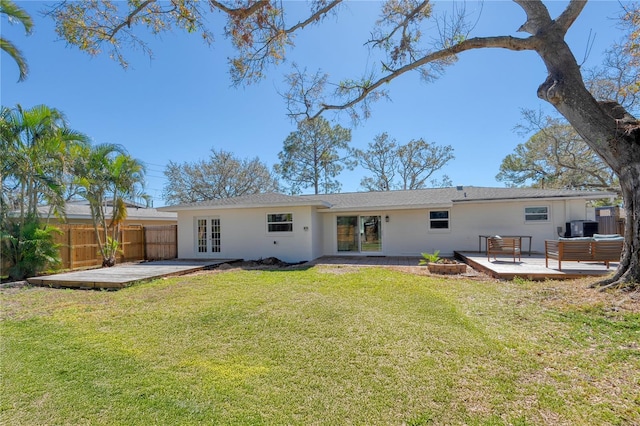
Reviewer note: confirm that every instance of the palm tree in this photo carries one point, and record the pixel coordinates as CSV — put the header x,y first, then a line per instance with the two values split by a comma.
x,y
35,153
107,176
15,13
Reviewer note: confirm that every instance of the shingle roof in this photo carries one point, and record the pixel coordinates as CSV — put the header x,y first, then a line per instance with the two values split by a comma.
x,y
444,197
83,211
270,199
420,198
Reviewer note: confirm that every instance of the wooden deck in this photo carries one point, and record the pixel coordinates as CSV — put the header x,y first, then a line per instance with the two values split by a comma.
x,y
533,267
124,275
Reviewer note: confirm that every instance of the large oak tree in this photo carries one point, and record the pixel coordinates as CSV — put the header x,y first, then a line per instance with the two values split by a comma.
x,y
260,34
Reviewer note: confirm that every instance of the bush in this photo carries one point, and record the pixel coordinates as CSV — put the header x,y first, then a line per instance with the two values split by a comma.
x,y
430,258
28,247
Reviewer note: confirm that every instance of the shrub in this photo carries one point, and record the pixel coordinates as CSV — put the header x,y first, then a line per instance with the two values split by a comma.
x,y
28,248
430,258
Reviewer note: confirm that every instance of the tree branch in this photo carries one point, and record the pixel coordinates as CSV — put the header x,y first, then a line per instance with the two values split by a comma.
x,y
408,18
505,42
537,16
570,14
129,18
314,17
242,12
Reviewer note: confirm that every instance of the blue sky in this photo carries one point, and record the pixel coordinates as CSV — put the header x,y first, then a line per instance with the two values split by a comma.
x,y
180,104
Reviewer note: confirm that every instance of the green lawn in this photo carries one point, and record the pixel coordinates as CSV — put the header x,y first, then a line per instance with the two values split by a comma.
x,y
325,345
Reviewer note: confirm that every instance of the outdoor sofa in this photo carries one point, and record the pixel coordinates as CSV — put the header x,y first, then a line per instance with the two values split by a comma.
x,y
599,248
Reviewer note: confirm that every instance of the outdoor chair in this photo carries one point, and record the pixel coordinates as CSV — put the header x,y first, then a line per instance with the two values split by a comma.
x,y
505,246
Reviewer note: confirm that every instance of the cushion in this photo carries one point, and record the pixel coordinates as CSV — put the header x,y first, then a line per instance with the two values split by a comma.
x,y
607,236
618,238
575,239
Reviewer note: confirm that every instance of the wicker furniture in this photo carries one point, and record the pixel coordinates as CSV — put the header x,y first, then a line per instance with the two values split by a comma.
x,y
505,246
594,249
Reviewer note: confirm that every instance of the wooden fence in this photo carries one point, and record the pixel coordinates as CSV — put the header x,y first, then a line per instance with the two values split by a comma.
x,y
161,242
610,220
79,246
611,225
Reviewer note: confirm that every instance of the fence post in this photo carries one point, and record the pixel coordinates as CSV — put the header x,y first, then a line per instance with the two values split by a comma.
x,y
70,247
124,255
175,227
144,242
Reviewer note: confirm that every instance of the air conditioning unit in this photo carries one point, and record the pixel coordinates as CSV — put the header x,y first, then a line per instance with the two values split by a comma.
x,y
581,228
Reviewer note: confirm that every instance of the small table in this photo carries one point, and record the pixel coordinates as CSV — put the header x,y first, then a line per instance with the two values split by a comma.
x,y
480,237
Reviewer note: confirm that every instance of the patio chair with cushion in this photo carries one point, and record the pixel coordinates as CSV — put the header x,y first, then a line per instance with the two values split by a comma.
x,y
504,246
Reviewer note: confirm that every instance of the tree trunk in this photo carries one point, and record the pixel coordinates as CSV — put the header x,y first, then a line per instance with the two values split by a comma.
x,y
628,272
608,129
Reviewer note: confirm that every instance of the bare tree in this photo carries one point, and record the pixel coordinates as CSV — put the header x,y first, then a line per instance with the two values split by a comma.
x,y
222,175
419,160
413,163
380,159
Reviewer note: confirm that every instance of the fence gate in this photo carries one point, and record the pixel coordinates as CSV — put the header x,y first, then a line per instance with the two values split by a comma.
x,y
161,242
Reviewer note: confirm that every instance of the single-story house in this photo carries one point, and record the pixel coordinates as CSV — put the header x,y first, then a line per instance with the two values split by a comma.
x,y
79,213
390,223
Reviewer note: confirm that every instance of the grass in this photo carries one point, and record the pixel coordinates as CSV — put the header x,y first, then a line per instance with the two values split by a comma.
x,y
320,346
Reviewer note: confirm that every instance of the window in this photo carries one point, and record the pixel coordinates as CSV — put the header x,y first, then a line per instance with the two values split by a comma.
x,y
280,222
439,219
536,214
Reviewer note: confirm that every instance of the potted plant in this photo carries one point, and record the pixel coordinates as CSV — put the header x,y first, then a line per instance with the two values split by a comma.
x,y
439,265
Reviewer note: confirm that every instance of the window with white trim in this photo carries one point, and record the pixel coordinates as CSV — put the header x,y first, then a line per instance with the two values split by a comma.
x,y
280,222
536,214
439,219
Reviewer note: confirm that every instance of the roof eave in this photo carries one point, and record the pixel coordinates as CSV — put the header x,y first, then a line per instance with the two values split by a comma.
x,y
585,196
179,208
386,208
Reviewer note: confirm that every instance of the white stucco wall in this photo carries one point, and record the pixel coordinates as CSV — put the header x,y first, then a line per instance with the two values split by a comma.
x,y
244,231
317,234
408,233
244,234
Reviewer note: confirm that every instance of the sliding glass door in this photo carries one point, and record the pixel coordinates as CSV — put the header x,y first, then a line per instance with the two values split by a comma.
x,y
370,234
359,234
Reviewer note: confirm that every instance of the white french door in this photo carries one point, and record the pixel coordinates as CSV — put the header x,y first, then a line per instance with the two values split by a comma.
x,y
207,234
